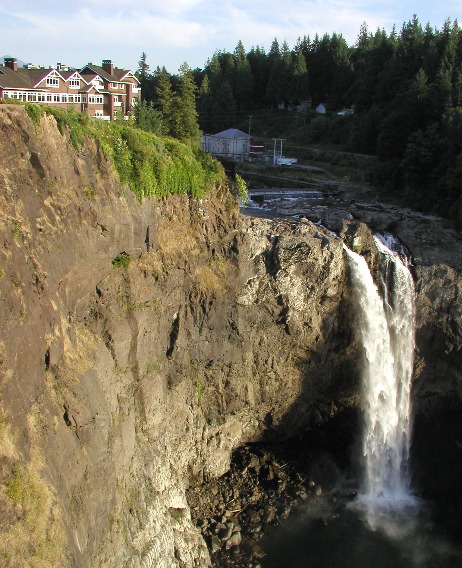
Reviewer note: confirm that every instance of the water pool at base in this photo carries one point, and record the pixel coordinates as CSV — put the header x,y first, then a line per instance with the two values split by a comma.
x,y
326,536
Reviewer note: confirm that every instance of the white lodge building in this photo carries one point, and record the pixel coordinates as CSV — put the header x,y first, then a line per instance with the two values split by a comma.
x,y
98,91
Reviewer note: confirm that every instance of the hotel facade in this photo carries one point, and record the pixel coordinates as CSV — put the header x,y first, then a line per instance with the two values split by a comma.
x,y
99,91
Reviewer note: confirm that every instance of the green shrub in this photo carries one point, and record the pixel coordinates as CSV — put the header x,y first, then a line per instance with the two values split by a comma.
x,y
122,260
242,190
35,113
16,232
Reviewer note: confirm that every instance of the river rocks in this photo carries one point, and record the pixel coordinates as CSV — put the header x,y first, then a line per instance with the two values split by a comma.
x,y
253,503
254,506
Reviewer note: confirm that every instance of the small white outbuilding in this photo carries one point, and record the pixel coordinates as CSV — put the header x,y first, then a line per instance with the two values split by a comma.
x,y
232,143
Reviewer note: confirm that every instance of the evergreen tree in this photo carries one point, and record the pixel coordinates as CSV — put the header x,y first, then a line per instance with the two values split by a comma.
x,y
144,77
143,68
300,83
274,86
259,66
224,107
164,101
184,114
242,78
204,105
147,117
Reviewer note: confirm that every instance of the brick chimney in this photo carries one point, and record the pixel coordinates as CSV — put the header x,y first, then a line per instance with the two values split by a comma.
x,y
108,66
12,63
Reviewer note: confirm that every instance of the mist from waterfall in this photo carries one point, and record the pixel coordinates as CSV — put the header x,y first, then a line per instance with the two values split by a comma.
x,y
386,320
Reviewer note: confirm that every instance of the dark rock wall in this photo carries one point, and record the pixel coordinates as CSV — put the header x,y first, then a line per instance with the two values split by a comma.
x,y
126,384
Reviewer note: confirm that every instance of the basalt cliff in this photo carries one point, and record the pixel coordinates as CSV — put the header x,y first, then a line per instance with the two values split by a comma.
x,y
140,343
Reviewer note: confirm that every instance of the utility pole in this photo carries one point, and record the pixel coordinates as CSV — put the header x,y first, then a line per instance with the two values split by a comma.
x,y
274,151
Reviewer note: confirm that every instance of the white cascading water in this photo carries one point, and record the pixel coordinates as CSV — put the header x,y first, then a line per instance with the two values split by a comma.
x,y
386,325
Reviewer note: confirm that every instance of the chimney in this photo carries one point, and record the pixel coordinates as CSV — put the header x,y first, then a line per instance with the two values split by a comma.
x,y
108,66
12,63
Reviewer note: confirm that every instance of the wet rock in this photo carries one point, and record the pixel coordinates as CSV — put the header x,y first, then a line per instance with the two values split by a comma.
x,y
234,540
254,516
215,544
270,514
225,532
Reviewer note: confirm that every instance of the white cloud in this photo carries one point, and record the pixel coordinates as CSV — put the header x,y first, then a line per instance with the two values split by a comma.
x,y
177,30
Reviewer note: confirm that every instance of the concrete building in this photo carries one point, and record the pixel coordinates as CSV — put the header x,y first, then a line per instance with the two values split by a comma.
x,y
232,144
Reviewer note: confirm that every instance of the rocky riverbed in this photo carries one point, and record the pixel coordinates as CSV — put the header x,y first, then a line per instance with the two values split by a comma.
x,y
261,490
267,485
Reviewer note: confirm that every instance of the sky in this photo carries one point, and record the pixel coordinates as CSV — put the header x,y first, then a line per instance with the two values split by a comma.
x,y
172,32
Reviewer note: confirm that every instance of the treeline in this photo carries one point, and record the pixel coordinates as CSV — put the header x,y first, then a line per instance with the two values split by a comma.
x,y
405,88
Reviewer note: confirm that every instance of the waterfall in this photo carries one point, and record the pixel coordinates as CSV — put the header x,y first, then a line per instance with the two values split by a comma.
x,y
386,327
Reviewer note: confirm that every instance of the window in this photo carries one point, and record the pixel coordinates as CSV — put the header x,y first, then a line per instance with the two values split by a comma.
x,y
52,82
49,98
114,86
74,83
98,112
41,97
64,98
95,99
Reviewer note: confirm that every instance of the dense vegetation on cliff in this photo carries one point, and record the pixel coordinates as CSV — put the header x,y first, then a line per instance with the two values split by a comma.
x,y
405,88
151,165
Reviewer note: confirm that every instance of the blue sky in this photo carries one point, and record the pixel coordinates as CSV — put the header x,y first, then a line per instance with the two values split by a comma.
x,y
175,31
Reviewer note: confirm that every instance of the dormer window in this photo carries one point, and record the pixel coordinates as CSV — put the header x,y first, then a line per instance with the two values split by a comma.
x,y
114,86
52,82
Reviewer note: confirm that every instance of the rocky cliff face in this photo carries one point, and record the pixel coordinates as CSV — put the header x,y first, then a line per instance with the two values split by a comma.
x,y
141,343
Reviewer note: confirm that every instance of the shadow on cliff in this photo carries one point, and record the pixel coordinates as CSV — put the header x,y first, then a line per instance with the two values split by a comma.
x,y
324,422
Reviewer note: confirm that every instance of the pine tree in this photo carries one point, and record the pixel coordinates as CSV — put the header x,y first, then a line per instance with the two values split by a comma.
x,y
143,68
224,106
184,116
242,78
143,75
204,105
300,82
259,67
147,117
164,101
274,87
